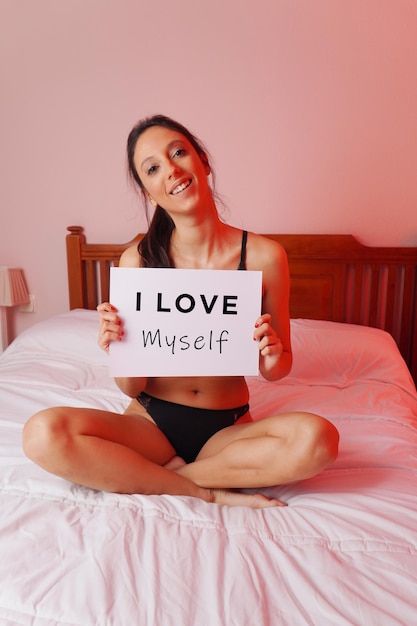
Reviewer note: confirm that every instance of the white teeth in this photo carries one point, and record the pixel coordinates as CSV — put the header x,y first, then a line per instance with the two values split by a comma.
x,y
181,188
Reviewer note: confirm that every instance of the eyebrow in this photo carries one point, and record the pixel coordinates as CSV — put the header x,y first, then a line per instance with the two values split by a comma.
x,y
169,146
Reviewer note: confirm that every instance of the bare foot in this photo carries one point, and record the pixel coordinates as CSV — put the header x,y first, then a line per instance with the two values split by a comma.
x,y
229,497
235,498
175,463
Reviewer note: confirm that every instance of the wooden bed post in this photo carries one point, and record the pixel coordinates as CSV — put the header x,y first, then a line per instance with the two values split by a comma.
x,y
74,241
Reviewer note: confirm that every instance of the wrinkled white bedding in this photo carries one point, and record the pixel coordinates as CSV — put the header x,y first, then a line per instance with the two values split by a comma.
x,y
344,552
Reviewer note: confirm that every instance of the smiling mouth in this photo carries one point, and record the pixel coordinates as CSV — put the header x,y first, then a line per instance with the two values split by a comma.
x,y
181,187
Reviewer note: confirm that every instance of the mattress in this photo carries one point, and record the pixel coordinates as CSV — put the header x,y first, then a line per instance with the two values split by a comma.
x,y
343,552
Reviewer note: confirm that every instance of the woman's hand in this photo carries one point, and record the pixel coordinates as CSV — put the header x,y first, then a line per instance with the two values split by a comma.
x,y
268,341
111,328
275,360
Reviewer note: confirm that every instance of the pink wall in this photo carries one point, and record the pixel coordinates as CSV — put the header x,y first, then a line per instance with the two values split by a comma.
x,y
309,109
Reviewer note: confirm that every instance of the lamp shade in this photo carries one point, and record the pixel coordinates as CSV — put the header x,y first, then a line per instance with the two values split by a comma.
x,y
13,289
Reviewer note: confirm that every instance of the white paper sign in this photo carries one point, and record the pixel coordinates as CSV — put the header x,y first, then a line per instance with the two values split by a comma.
x,y
185,322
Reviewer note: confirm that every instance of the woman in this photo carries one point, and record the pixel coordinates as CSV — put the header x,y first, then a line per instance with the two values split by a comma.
x,y
193,435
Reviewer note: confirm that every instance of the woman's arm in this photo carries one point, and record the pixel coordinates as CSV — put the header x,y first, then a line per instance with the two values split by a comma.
x,y
111,329
272,329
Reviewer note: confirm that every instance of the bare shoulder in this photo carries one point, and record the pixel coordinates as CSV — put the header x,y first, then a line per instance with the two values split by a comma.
x,y
264,253
130,258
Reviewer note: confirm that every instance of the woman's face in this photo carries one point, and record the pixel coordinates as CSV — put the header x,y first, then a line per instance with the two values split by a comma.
x,y
172,172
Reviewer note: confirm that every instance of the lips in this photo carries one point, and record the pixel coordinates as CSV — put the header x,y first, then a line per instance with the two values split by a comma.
x,y
180,187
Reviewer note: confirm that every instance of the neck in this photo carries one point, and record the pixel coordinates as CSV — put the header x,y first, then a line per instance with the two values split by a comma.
x,y
195,245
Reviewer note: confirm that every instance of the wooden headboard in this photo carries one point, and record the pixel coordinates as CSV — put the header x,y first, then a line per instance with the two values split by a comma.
x,y
333,277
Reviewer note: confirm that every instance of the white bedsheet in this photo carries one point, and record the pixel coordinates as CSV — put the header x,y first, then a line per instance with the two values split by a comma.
x,y
344,552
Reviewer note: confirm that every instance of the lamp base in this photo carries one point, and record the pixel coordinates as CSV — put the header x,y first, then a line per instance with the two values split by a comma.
x,y
3,329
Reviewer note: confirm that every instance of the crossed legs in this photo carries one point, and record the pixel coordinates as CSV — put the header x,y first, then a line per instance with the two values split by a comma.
x,y
128,454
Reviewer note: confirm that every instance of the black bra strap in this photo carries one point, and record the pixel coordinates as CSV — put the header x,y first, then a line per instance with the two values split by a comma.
x,y
242,264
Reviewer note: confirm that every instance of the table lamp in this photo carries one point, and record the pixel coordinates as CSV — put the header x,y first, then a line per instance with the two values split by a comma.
x,y
13,291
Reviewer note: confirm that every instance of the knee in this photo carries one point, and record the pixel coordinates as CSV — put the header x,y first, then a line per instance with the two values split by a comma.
x,y
43,433
321,439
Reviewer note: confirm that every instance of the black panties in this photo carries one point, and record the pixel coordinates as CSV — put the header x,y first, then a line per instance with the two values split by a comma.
x,y
188,428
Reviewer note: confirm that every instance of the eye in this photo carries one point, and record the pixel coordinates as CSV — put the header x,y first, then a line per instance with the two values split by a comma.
x,y
179,152
151,170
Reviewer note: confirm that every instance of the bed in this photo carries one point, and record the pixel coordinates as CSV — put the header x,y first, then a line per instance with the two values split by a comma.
x,y
344,551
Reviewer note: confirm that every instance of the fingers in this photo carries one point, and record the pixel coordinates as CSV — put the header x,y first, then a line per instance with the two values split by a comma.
x,y
269,342
110,325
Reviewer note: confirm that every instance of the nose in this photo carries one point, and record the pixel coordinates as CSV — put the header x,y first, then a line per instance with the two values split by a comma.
x,y
173,169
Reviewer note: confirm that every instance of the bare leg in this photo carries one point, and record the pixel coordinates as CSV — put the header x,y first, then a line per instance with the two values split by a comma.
x,y
116,453
105,451
272,451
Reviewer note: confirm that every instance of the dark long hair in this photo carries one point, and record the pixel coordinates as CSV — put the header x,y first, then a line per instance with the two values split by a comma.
x,y
154,247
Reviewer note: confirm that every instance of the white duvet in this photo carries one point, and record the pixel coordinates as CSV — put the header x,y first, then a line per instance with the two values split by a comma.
x,y
344,552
